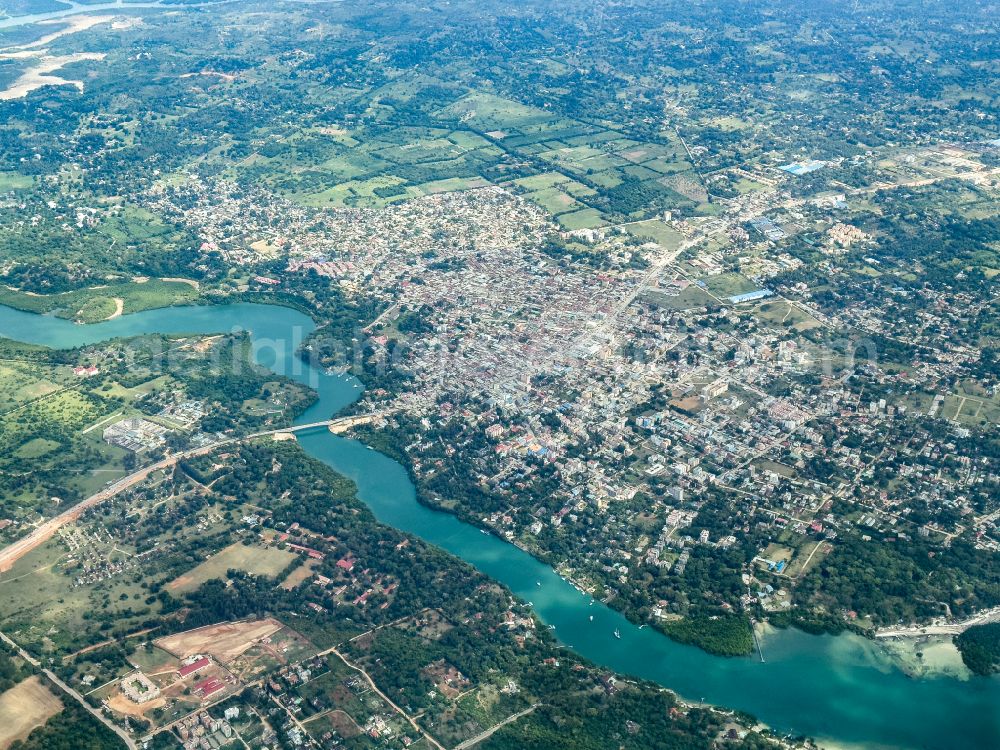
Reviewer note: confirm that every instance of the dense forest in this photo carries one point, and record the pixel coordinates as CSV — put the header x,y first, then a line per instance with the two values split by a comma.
x,y
903,582
980,648
73,728
10,674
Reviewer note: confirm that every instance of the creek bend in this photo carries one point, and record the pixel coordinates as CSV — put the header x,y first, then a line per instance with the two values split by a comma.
x,y
842,690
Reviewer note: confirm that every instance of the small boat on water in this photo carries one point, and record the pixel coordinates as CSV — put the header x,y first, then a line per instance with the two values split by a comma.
x,y
552,627
538,583
591,618
618,635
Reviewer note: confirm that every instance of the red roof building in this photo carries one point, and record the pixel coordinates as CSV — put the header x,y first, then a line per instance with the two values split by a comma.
x,y
194,666
209,686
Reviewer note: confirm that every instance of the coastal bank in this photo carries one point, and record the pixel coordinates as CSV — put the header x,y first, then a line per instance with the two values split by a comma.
x,y
843,690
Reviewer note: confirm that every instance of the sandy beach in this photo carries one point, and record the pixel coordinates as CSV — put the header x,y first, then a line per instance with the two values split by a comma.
x,y
927,656
39,76
73,24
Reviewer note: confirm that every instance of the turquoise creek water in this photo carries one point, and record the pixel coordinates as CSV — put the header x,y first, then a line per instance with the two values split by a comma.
x,y
841,690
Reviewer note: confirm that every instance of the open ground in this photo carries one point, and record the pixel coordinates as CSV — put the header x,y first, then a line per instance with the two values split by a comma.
x,y
27,705
224,641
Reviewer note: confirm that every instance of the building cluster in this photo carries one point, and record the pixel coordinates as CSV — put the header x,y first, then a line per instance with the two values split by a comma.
x,y
138,688
363,250
630,400
136,434
581,392
93,555
201,731
186,413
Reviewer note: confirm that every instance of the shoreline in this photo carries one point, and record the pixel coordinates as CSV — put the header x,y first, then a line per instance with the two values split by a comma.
x,y
852,672
919,657
982,617
926,657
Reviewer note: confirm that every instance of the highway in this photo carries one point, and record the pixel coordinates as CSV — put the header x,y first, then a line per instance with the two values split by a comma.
x,y
41,534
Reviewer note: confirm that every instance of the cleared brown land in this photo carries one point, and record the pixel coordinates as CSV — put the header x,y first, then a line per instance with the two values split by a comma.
x,y
224,641
123,705
27,705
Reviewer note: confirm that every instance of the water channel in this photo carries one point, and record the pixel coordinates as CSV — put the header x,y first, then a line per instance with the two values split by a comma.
x,y
842,690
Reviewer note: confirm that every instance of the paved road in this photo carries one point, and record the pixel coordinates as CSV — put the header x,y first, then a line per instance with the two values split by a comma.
x,y
987,616
96,713
15,551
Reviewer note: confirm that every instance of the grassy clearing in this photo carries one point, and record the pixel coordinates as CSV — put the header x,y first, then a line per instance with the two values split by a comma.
x,y
267,561
781,313
605,179
554,201
20,382
36,448
40,603
588,218
300,575
61,413
775,467
777,552
541,181
452,184
808,555
153,660
656,231
15,181
486,112
687,299
744,186
577,189
729,284
971,411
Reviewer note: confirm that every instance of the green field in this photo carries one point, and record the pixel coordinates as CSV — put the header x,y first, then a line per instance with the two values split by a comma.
x,y
729,284
14,181
38,600
554,201
36,448
687,299
24,381
266,561
588,218
656,231
781,313
541,181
